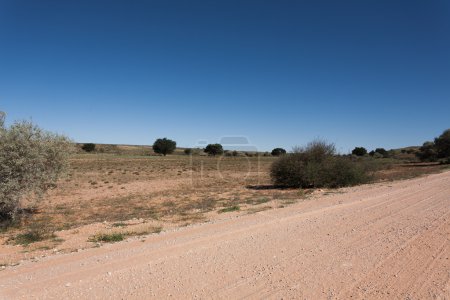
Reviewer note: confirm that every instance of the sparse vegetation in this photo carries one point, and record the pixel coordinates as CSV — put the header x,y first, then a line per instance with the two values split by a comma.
x,y
229,209
107,237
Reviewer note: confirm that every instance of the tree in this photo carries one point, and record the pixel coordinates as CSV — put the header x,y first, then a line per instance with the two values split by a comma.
x,y
442,144
278,151
359,151
382,151
188,151
164,146
427,152
88,147
31,161
214,149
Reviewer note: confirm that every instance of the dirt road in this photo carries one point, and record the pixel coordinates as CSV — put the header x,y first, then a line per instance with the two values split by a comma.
x,y
389,240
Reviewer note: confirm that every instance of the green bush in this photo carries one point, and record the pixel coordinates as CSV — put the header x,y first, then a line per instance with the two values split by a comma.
x,y
442,144
214,149
427,152
88,147
359,151
382,151
188,151
278,151
164,146
317,165
31,161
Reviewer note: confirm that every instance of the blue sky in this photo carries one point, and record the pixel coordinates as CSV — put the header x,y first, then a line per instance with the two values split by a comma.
x,y
357,73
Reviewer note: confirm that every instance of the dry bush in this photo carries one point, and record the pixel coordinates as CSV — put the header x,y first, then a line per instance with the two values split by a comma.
x,y
31,160
317,165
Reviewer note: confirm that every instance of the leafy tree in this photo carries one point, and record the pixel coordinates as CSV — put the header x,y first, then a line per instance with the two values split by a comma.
x,y
31,161
442,144
359,151
164,146
427,152
188,151
278,151
214,149
382,151
88,147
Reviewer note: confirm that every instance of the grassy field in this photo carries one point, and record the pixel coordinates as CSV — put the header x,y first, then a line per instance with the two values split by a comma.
x,y
179,190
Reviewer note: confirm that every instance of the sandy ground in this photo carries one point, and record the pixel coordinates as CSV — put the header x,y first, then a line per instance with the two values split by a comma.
x,y
382,241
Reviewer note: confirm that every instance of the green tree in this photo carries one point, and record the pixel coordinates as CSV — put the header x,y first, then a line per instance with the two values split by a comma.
x,y
359,151
382,151
164,146
214,149
278,151
88,147
427,152
442,144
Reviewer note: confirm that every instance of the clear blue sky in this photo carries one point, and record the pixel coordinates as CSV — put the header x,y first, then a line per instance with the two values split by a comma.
x,y
357,73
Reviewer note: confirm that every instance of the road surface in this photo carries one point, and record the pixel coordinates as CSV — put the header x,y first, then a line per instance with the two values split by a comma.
x,y
388,240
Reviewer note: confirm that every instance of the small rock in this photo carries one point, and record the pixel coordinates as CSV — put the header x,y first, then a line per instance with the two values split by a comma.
x,y
68,284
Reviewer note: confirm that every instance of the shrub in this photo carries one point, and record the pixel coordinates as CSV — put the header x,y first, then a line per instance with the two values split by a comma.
x,y
359,151
31,161
427,152
107,238
377,155
88,147
214,149
278,151
164,146
317,165
188,151
442,144
382,151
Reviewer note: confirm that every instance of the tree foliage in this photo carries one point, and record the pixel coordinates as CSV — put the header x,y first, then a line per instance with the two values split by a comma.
x,y
382,151
427,152
214,149
278,151
88,147
359,151
164,146
442,144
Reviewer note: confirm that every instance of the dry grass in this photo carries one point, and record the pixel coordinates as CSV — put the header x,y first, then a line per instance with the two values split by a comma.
x,y
178,189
